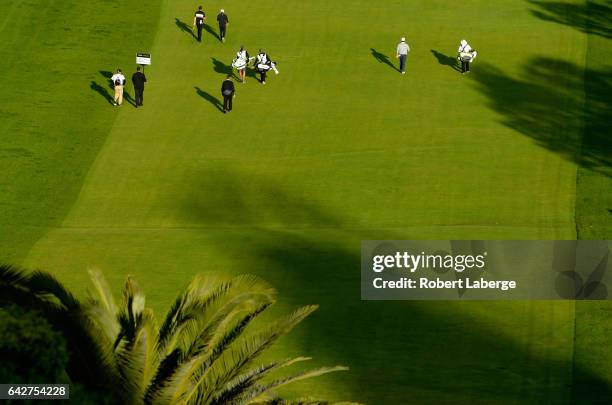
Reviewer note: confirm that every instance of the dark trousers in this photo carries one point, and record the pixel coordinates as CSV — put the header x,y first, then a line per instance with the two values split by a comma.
x,y
200,26
222,31
263,75
139,97
465,67
227,102
402,59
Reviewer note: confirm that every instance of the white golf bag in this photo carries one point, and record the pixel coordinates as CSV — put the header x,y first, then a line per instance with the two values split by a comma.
x,y
467,56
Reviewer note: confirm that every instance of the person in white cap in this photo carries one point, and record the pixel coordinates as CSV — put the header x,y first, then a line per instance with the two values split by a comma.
x,y
223,23
465,54
402,54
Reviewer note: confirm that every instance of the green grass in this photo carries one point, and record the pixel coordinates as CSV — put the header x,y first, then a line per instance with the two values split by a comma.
x,y
52,125
304,168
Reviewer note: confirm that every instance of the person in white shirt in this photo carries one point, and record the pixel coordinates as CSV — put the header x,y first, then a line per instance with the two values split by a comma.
x,y
118,82
240,62
465,54
402,54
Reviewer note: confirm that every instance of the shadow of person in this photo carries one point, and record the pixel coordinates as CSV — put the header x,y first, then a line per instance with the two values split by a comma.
x,y
251,72
101,90
127,97
221,67
183,26
107,75
382,58
446,60
209,97
212,32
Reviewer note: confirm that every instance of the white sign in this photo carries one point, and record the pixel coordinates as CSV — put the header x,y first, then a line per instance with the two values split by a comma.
x,y
143,58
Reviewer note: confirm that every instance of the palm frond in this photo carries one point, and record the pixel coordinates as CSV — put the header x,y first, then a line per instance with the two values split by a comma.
x,y
46,285
136,357
256,392
277,400
12,275
89,363
104,294
201,324
234,361
208,345
240,384
101,307
157,389
189,306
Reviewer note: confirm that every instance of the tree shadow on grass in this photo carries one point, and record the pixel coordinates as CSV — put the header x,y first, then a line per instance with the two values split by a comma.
x,y
404,349
545,103
382,58
446,60
186,28
590,17
210,98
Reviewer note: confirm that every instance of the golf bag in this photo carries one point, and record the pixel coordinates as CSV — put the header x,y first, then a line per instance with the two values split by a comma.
x,y
239,63
241,60
264,63
467,56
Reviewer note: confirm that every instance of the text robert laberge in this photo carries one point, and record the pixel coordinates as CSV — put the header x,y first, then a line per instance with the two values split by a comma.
x,y
440,263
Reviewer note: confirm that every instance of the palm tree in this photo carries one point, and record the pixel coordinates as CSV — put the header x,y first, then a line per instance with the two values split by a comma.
x,y
204,352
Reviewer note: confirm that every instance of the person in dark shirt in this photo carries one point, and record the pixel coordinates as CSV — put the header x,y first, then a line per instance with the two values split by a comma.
x,y
139,80
227,91
263,63
198,21
223,23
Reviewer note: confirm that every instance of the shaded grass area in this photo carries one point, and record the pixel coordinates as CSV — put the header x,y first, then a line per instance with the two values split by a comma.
x,y
590,17
52,123
546,104
594,201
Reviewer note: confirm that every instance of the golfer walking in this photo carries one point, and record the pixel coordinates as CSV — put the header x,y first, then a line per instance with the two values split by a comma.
x,y
223,23
227,91
118,82
263,63
402,54
240,62
139,80
465,54
198,21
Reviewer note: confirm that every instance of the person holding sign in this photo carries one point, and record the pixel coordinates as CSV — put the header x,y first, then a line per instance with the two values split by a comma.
x,y
227,91
118,82
198,21
223,23
139,79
